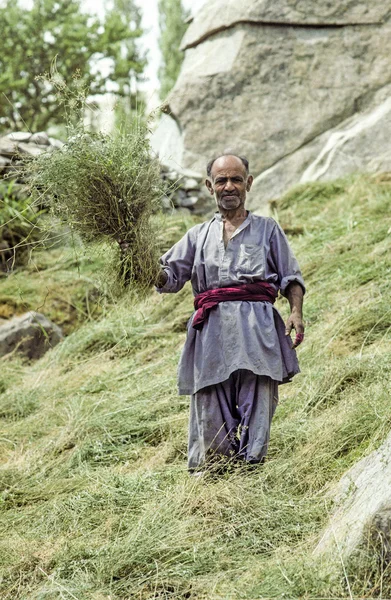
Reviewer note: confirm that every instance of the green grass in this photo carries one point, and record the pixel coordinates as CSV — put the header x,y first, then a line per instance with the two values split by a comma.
x,y
96,500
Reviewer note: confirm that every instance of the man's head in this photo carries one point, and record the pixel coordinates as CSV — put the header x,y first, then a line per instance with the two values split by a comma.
x,y
229,181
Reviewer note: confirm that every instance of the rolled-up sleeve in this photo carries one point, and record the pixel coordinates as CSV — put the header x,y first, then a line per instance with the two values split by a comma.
x,y
178,262
284,261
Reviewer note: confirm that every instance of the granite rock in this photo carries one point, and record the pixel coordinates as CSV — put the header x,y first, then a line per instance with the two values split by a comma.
x,y
30,334
362,505
274,81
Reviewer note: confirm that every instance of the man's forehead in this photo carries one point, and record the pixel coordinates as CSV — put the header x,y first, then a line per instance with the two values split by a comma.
x,y
228,165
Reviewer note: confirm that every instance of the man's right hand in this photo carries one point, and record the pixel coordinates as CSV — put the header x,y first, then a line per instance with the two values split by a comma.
x,y
124,245
161,279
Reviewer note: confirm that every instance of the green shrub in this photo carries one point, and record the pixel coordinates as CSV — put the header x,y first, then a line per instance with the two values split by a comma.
x,y
19,228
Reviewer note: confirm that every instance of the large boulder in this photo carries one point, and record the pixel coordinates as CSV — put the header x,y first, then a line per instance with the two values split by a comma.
x,y
363,505
361,143
30,334
268,79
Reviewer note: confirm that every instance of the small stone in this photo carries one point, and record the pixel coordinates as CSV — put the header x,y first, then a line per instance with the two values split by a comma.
x,y
173,176
189,201
7,147
166,203
56,143
41,137
31,149
19,136
190,184
4,163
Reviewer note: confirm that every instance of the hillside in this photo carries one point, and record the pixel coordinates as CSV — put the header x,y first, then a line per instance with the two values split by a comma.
x,y
96,499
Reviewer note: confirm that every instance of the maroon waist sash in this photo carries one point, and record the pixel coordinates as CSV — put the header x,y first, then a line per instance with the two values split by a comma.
x,y
259,291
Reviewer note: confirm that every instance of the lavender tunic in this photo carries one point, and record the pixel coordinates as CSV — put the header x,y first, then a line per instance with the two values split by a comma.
x,y
237,334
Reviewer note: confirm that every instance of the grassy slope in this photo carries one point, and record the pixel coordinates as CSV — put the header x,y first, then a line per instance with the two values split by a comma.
x,y
96,500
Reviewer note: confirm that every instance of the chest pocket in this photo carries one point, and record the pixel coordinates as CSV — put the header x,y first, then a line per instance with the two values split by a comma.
x,y
250,259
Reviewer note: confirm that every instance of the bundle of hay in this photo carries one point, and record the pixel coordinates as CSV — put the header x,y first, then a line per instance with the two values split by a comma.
x,y
106,187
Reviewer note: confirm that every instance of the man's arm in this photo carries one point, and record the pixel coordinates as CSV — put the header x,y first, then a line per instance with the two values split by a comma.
x,y
295,293
290,281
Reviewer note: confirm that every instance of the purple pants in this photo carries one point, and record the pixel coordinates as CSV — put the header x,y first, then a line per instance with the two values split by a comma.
x,y
232,418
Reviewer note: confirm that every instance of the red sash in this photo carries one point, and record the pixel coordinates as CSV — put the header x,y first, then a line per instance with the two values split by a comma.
x,y
259,291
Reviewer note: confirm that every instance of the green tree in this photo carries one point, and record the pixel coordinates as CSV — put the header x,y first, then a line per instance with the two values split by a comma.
x,y
58,32
172,21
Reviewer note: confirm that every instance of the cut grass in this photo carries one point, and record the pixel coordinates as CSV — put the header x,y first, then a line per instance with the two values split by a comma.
x,y
97,502
105,188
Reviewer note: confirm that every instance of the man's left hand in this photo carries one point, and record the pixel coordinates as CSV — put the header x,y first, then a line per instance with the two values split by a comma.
x,y
295,322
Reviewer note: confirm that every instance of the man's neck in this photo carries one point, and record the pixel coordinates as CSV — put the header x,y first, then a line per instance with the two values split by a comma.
x,y
238,215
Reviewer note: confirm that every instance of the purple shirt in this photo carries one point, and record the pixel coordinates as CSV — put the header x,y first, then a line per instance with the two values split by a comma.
x,y
237,334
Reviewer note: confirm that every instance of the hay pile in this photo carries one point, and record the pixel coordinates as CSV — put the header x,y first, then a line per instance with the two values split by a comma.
x,y
105,188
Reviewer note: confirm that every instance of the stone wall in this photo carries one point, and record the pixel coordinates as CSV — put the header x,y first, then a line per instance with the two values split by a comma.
x,y
21,143
185,189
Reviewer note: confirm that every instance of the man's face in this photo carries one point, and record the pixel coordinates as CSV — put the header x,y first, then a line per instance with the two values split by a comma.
x,y
229,182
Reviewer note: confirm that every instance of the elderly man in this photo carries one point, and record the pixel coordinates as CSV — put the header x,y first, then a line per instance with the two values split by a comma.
x,y
237,349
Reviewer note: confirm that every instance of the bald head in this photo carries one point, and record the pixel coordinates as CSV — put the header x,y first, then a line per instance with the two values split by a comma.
x,y
227,159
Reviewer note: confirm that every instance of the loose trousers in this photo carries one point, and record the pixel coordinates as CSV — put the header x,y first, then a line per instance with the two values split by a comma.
x,y
232,418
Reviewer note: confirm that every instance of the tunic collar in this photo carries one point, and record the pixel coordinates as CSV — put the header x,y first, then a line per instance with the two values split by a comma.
x,y
242,226
218,217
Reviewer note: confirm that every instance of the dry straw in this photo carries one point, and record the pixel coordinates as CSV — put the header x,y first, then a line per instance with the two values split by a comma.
x,y
106,188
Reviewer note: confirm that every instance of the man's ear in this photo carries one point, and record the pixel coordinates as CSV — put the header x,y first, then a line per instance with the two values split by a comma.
x,y
250,180
209,185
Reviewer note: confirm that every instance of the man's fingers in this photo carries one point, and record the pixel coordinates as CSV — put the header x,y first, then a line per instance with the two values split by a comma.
x,y
288,327
298,340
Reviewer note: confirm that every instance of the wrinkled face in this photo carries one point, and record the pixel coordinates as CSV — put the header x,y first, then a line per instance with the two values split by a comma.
x,y
229,183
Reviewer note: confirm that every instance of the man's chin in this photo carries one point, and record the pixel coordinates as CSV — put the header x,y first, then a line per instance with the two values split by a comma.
x,y
230,203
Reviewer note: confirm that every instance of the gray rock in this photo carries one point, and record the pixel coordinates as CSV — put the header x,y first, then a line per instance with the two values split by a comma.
x,y
31,149
8,148
167,204
41,138
172,176
363,501
4,163
56,143
178,197
189,201
361,143
268,79
223,14
167,142
267,91
190,184
30,334
19,136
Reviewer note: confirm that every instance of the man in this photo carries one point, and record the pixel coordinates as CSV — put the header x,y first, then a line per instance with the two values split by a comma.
x,y
237,349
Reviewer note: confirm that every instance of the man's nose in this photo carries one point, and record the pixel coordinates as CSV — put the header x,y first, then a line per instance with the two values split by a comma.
x,y
229,185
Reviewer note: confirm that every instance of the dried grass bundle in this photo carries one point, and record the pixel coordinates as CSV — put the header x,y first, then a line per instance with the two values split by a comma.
x,y
106,187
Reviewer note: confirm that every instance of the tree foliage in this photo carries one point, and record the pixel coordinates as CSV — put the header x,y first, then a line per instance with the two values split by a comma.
x,y
172,21
59,32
